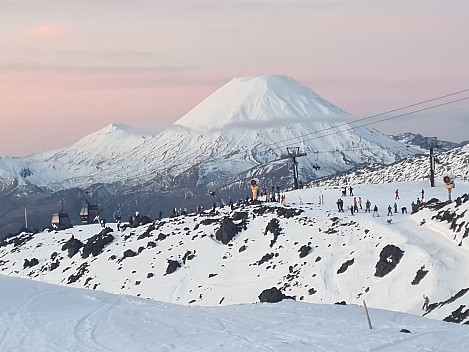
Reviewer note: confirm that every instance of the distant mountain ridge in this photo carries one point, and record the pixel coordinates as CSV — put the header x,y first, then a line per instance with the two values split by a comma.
x,y
239,132
418,140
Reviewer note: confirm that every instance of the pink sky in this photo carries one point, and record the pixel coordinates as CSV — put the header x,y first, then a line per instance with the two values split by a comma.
x,y
70,68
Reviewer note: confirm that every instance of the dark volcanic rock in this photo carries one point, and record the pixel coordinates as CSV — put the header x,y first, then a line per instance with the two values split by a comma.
x,y
265,258
30,263
227,231
173,265
421,273
405,331
288,212
240,215
96,243
458,316
161,236
345,266
273,227
389,257
188,256
82,270
17,240
72,246
273,295
304,251
128,253
242,248
452,299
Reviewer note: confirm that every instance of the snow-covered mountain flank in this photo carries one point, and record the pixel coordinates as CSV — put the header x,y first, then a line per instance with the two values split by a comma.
x,y
418,141
241,131
265,251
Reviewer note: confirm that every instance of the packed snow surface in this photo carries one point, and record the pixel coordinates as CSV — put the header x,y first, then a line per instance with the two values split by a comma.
x,y
41,317
217,286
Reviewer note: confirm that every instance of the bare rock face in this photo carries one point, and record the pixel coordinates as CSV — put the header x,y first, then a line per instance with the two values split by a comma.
x,y
96,243
273,295
227,231
173,265
304,250
72,246
30,263
345,266
389,257
421,273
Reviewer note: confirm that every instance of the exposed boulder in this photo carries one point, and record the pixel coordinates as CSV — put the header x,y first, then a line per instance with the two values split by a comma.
x,y
96,243
188,256
458,316
345,266
173,265
82,270
389,257
128,253
30,263
227,231
72,246
273,295
421,273
273,227
304,251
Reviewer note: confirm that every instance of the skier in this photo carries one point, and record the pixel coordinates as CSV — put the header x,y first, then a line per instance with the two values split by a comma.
x,y
360,202
395,207
375,211
397,194
389,210
423,192
350,189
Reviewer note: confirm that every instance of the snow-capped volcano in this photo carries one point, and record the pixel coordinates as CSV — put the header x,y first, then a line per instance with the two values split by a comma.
x,y
251,101
241,131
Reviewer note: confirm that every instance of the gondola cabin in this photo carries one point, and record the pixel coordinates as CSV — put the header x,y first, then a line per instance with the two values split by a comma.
x,y
88,213
61,221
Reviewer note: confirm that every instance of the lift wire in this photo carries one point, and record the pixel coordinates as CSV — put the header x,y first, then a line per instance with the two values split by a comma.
x,y
266,147
387,119
377,115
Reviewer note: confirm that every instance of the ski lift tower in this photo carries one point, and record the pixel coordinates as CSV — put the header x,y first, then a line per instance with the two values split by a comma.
x,y
293,153
432,143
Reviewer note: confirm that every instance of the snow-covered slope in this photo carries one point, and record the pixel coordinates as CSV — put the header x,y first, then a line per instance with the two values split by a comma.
x,y
306,250
262,100
418,141
245,125
454,161
40,317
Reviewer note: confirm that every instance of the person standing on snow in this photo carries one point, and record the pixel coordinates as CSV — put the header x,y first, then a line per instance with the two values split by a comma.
x,y
350,189
368,206
375,211
360,202
426,301
389,210
397,194
395,207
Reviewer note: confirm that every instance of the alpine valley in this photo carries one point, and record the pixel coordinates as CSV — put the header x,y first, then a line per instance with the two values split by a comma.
x,y
239,132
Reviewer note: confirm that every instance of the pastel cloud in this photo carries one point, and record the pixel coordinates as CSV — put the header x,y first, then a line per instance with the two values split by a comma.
x,y
48,30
